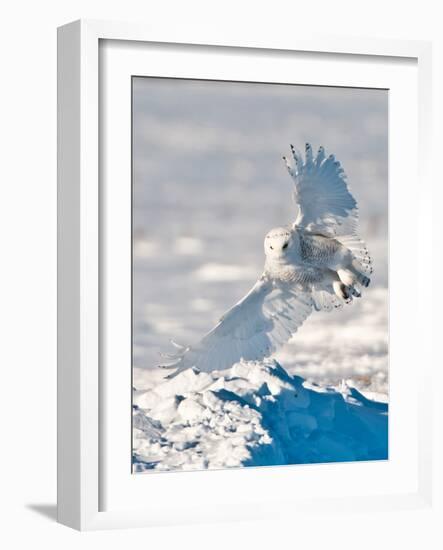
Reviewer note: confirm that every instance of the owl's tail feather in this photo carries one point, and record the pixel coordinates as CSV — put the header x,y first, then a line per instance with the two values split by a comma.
x,y
324,298
360,254
333,294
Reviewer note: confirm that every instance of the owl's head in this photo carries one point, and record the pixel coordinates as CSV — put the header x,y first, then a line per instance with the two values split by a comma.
x,y
281,243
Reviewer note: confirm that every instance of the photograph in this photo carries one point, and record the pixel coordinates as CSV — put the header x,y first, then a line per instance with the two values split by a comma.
x,y
260,289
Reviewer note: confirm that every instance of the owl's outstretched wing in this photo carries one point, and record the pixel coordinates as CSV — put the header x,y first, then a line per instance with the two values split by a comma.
x,y
321,193
325,204
254,328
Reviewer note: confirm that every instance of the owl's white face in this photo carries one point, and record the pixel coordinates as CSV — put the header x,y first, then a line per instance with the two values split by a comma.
x,y
280,244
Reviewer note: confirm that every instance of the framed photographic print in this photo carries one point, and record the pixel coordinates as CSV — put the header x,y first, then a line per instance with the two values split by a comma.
x,y
233,268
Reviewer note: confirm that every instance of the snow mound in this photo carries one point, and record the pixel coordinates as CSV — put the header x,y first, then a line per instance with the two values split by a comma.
x,y
253,414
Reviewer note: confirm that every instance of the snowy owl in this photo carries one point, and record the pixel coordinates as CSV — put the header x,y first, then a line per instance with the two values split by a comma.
x,y
317,263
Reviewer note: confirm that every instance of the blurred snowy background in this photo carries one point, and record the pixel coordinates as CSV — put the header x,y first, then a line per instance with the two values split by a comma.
x,y
209,183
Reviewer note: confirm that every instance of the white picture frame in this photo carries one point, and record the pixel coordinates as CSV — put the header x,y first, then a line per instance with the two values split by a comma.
x,y
84,398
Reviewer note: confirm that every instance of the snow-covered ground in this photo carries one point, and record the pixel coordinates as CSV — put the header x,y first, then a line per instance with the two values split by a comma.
x,y
351,345
253,414
209,183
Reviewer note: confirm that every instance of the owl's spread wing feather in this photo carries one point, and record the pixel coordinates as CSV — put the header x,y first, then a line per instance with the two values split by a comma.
x,y
271,312
325,204
254,328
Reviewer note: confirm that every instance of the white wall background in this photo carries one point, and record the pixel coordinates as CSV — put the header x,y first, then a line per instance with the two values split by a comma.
x,y
28,274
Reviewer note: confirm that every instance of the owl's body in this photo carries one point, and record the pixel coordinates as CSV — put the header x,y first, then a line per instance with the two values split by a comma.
x,y
313,262
320,250
319,262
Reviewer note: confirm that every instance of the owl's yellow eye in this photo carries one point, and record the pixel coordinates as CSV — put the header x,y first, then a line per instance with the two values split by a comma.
x,y
271,247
